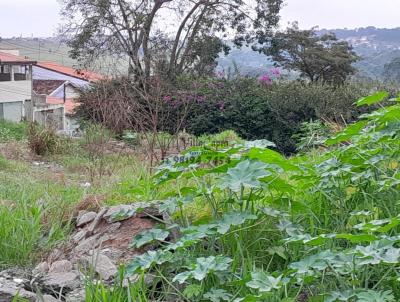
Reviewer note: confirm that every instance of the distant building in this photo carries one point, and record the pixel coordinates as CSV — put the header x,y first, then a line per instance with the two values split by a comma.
x,y
43,92
15,85
60,85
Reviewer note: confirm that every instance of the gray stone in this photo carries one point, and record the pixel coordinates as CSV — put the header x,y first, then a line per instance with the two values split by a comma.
x,y
86,218
47,298
79,236
126,212
87,244
69,280
77,295
96,221
102,265
62,266
42,268
9,290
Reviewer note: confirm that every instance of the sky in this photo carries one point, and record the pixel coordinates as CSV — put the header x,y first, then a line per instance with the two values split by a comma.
x,y
39,18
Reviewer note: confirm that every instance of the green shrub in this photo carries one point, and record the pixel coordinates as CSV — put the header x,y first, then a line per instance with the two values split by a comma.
x,y
12,131
44,141
274,112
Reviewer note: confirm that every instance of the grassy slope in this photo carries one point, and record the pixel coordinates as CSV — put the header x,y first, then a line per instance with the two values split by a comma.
x,y
38,195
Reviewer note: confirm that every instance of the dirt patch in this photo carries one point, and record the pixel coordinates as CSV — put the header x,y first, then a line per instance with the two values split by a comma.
x,y
16,151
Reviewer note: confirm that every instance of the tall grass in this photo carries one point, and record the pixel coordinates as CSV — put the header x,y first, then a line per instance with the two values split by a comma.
x,y
12,131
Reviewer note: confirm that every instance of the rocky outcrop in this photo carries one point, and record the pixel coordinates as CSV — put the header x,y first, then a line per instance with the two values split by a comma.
x,y
97,246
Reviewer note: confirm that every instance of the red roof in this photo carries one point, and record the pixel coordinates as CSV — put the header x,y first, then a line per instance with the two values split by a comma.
x,y
70,104
9,58
69,71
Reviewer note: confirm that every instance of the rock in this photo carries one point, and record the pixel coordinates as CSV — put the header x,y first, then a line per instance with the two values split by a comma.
x,y
62,266
146,209
96,221
85,218
77,295
102,265
47,298
87,245
9,290
42,268
122,211
79,236
68,280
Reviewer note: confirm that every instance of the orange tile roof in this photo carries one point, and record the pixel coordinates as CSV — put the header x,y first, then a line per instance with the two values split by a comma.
x,y
70,104
69,71
9,58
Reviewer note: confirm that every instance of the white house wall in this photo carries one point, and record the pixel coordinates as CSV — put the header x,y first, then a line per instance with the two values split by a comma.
x,y
45,74
15,91
13,111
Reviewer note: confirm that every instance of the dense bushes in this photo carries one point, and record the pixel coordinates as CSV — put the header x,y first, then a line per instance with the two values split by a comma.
x,y
272,112
44,141
12,131
253,108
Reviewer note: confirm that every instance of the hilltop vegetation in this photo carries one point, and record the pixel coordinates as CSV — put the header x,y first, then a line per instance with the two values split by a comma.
x,y
375,46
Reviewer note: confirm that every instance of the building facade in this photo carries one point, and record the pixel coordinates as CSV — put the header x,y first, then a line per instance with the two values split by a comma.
x,y
15,85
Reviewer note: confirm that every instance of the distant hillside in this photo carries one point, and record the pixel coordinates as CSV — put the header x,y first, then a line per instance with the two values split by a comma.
x,y
40,49
53,50
376,47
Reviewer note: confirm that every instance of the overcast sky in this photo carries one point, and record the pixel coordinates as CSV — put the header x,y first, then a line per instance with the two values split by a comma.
x,y
40,17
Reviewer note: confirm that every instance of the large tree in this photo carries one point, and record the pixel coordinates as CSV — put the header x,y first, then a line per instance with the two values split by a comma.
x,y
319,58
184,28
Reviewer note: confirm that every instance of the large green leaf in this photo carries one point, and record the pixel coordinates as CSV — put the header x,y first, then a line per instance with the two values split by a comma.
x,y
203,267
149,236
375,296
264,282
246,174
217,295
147,260
233,219
347,133
373,99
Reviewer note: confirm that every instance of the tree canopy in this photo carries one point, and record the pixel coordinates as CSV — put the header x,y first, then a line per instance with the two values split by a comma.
x,y
182,29
316,57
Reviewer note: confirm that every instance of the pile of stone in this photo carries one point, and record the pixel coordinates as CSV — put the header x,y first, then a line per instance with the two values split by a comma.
x,y
98,245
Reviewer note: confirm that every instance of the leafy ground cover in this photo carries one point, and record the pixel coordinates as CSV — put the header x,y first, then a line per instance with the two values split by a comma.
x,y
256,226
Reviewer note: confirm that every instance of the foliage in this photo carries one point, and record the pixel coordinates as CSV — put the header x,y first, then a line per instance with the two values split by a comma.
x,y
133,291
322,226
97,138
12,131
311,134
316,57
44,141
274,112
132,29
